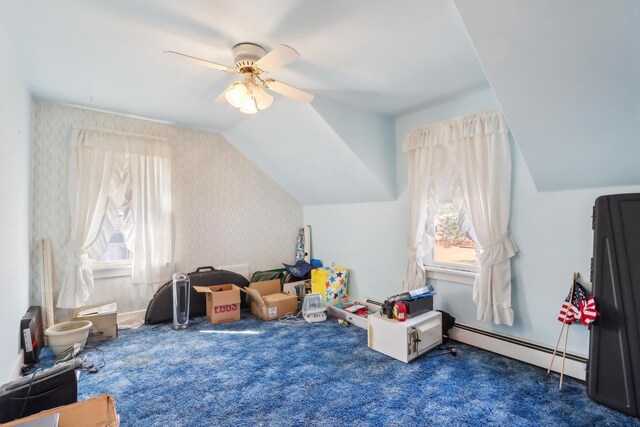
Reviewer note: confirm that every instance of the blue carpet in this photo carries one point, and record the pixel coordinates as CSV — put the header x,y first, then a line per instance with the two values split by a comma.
x,y
291,374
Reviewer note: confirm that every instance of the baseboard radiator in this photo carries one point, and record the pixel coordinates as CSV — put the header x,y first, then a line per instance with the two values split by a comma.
x,y
525,351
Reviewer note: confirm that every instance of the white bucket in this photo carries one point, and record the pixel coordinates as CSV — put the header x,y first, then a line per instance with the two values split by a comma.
x,y
67,334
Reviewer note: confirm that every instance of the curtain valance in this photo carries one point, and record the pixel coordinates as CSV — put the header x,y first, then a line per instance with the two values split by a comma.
x,y
121,142
459,129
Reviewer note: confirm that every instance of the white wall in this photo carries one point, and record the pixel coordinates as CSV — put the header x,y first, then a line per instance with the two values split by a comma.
x,y
15,193
552,229
225,210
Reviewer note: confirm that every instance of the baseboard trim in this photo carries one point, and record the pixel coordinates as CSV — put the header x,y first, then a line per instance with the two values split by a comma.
x,y
16,368
525,351
131,316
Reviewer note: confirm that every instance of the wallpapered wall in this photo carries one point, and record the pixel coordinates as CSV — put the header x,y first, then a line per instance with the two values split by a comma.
x,y
226,210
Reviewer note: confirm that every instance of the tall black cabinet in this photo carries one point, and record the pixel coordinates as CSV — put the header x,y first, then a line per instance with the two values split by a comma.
x,y
613,370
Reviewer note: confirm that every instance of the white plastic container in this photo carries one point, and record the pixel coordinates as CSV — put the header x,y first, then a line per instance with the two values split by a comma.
x,y
67,334
405,340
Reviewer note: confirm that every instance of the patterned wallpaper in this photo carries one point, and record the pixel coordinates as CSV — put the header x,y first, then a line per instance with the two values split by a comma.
x,y
226,210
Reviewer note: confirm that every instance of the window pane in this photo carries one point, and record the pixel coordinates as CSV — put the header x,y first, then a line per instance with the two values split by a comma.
x,y
452,245
116,249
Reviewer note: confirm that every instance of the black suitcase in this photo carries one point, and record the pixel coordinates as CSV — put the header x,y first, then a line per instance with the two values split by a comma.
x,y
613,370
160,308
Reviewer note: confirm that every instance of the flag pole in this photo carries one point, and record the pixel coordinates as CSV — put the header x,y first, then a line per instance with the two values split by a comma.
x,y
566,338
555,350
576,276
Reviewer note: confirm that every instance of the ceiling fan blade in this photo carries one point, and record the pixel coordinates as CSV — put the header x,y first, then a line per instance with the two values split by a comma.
x,y
277,58
288,91
203,62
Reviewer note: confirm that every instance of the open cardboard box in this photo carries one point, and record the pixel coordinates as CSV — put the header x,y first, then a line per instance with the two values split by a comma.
x,y
223,302
96,412
268,302
104,319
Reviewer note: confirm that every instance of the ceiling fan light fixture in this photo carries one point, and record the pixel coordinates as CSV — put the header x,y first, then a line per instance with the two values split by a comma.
x,y
250,61
237,94
250,106
263,99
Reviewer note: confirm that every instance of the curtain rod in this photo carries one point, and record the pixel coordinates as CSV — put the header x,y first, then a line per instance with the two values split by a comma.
x,y
117,132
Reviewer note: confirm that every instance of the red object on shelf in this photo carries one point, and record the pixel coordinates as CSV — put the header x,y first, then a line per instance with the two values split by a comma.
x,y
400,311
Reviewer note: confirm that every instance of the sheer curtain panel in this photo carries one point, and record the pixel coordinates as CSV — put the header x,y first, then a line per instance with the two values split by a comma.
x,y
91,174
483,169
151,239
422,205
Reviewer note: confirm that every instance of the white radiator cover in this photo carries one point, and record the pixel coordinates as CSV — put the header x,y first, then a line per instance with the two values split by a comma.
x,y
525,351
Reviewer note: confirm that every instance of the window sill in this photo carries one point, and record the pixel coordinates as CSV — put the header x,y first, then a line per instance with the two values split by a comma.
x,y
450,275
109,269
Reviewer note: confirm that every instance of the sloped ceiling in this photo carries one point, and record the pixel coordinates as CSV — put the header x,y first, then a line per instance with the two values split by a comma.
x,y
566,75
308,158
366,61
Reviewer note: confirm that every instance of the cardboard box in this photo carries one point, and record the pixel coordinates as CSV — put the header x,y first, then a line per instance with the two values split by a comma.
x,y
104,319
98,411
223,302
268,303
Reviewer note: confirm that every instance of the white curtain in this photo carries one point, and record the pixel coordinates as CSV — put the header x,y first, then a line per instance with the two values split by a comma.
x,y
422,205
113,171
151,237
479,145
92,171
484,174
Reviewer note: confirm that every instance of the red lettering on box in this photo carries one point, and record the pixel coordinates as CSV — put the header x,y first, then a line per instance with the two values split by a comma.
x,y
225,308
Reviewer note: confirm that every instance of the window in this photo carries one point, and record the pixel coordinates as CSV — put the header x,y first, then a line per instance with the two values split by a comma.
x,y
454,255
453,248
116,259
116,250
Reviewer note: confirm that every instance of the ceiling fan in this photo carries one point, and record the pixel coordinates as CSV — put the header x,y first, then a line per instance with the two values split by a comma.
x,y
251,61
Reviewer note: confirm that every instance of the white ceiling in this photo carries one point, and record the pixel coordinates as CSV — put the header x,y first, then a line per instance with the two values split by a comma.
x,y
566,75
381,56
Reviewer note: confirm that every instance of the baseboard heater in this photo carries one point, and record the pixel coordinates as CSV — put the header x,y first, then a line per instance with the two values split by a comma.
x,y
525,351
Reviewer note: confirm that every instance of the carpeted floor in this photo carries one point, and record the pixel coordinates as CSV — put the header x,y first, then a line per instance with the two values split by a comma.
x,y
292,374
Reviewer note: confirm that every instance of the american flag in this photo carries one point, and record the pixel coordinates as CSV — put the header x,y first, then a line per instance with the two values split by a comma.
x,y
588,312
570,311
